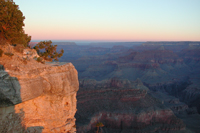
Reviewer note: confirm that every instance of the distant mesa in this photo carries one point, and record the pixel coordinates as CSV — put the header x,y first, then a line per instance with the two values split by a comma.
x,y
171,43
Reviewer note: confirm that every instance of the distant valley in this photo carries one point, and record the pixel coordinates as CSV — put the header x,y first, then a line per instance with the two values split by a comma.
x,y
137,86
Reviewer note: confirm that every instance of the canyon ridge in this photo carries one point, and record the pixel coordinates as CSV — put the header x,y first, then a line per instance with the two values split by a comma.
x,y
136,86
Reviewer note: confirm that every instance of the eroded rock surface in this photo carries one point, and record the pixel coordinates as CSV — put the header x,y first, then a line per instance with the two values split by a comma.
x,y
37,97
169,69
122,106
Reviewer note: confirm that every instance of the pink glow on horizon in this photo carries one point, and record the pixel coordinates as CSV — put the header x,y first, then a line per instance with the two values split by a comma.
x,y
108,36
112,20
112,34
73,31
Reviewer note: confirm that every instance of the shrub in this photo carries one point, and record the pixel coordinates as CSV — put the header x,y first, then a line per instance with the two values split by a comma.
x,y
11,23
99,124
47,51
39,59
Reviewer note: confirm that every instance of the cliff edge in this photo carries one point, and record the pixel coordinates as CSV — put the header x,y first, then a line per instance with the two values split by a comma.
x,y
36,97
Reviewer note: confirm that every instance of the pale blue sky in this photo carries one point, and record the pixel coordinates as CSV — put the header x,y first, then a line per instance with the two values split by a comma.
x,y
116,20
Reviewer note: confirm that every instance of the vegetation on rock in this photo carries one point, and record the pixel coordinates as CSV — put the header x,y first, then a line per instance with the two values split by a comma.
x,y
47,51
11,31
99,124
11,24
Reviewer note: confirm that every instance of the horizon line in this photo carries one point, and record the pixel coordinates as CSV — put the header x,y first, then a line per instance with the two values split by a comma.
x,y
101,41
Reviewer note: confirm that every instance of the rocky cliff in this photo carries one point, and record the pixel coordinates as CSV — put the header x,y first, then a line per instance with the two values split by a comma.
x,y
36,97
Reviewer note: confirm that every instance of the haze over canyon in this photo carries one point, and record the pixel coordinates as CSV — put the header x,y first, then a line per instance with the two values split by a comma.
x,y
99,66
129,87
136,86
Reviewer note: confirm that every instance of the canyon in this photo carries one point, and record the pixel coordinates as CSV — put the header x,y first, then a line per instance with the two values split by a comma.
x,y
109,93
122,106
128,87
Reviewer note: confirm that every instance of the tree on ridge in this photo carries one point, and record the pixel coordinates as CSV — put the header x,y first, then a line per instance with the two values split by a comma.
x,y
11,24
99,124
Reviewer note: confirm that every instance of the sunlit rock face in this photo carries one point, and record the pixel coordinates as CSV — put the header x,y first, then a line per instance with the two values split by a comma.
x,y
37,97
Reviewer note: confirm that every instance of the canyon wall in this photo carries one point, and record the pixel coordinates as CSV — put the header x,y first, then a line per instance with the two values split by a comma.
x,y
169,69
37,97
122,106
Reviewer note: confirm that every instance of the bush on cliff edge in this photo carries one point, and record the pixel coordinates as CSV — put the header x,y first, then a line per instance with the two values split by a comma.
x,y
11,31
11,24
47,51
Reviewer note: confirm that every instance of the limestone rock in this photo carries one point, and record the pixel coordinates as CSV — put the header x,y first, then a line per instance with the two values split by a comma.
x,y
30,53
37,97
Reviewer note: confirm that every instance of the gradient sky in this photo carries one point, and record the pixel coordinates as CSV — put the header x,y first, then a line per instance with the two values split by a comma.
x,y
112,20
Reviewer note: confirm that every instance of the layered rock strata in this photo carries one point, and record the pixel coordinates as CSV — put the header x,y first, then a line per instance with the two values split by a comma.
x,y
122,106
37,97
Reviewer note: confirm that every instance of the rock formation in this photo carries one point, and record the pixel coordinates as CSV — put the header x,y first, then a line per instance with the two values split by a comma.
x,y
36,97
169,69
122,106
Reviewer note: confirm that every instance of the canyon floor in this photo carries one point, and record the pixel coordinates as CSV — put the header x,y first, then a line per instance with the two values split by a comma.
x,y
137,86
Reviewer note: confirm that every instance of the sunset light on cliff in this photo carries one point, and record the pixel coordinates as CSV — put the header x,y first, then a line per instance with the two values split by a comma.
x,y
99,66
112,20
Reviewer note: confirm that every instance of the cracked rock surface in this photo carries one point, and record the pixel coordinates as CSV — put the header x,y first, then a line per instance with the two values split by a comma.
x,y
42,97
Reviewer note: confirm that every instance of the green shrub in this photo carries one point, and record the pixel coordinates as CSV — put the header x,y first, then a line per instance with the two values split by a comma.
x,y
47,51
39,59
12,23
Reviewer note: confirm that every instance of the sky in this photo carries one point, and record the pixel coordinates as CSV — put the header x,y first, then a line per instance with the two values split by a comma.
x,y
112,20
